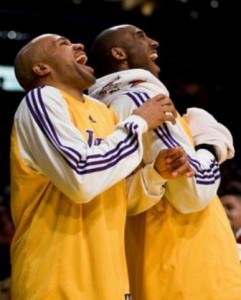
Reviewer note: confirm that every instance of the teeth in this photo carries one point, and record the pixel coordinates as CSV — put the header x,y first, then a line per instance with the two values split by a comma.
x,y
153,56
82,59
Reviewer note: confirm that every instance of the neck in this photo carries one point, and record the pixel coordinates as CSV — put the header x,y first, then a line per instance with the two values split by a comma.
x,y
76,93
79,95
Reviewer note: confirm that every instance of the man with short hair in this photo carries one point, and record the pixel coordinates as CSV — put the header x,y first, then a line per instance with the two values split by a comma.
x,y
183,247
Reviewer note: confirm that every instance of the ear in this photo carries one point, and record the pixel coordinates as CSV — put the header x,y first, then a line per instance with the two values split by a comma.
x,y
118,53
41,69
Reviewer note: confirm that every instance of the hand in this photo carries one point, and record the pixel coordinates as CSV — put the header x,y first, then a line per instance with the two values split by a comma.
x,y
157,110
173,163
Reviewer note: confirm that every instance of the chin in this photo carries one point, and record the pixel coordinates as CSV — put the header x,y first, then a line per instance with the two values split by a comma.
x,y
156,74
155,70
91,81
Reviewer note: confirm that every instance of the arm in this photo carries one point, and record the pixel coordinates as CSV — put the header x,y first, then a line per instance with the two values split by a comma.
x,y
54,147
146,185
206,132
186,194
145,188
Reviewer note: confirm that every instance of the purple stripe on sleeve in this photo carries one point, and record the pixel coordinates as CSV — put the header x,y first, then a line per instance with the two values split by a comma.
x,y
203,176
93,163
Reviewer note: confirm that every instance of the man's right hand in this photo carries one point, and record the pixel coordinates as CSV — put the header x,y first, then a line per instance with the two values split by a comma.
x,y
157,110
173,163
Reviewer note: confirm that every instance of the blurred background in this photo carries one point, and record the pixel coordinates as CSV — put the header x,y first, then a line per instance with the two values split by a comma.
x,y
199,55
199,51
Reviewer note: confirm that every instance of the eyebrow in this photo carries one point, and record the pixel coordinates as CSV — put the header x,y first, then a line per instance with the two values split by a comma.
x,y
62,38
139,31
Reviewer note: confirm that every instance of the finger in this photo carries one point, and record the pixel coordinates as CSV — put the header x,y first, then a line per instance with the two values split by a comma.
x,y
181,165
159,97
190,173
164,99
177,157
169,117
169,109
185,169
171,153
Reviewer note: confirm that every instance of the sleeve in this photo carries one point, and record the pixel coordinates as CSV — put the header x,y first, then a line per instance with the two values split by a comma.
x,y
187,195
52,146
145,188
207,130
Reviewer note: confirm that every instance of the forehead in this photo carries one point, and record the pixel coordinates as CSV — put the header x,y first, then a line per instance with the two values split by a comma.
x,y
50,44
47,40
133,30
42,45
126,29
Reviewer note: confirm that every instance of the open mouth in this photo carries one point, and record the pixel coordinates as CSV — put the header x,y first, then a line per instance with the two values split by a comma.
x,y
81,59
153,56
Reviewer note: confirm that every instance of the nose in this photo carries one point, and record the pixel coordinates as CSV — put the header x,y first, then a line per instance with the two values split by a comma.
x,y
78,46
154,43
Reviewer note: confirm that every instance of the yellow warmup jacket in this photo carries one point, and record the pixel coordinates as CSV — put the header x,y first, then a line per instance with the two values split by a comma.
x,y
68,198
183,248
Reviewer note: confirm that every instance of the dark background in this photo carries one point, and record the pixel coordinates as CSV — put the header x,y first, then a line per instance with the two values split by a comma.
x,y
199,50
